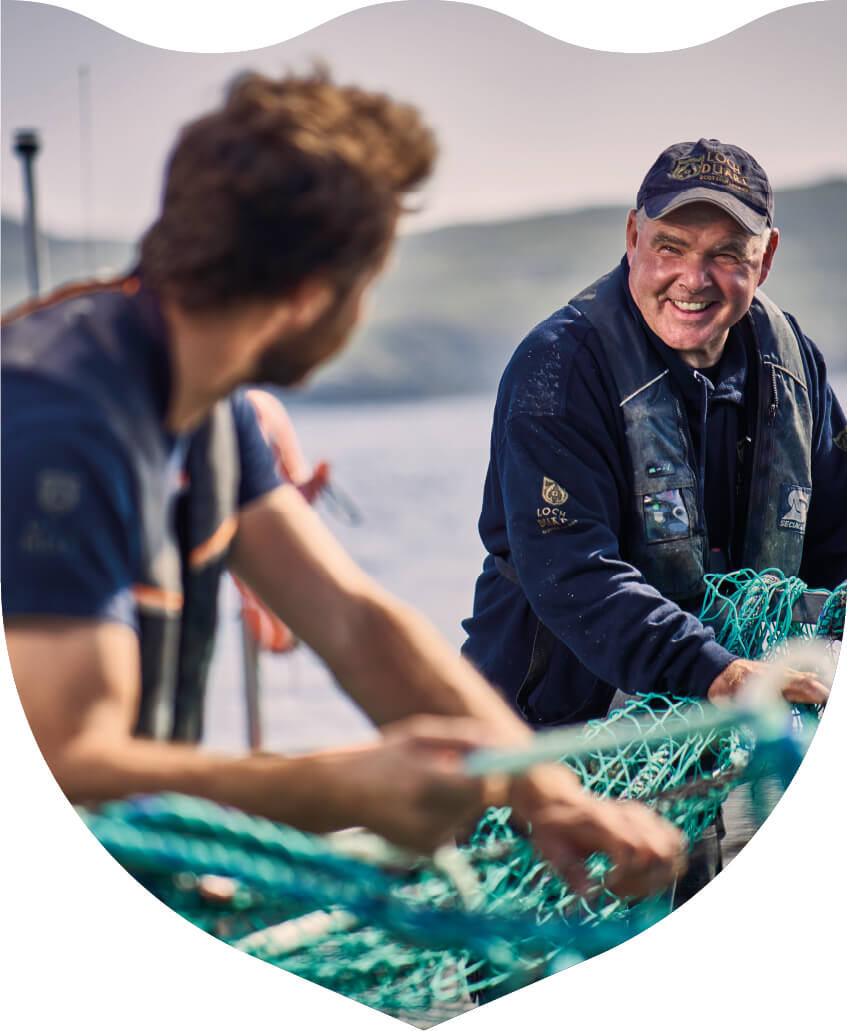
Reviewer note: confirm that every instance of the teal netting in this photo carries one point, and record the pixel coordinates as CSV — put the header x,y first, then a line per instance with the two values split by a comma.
x,y
752,612
419,938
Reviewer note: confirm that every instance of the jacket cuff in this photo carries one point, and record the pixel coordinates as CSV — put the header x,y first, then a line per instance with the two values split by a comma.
x,y
711,662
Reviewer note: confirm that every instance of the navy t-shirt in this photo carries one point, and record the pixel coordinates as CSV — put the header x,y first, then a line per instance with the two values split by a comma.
x,y
71,533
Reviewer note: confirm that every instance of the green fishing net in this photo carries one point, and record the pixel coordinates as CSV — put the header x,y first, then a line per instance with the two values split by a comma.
x,y
423,938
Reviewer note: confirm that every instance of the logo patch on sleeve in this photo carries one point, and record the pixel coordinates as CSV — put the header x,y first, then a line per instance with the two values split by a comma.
x,y
794,507
551,516
840,439
58,491
552,493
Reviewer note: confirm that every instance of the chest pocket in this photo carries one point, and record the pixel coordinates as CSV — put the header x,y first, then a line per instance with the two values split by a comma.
x,y
666,533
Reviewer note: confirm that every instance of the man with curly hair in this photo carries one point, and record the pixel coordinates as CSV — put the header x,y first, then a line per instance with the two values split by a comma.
x,y
134,472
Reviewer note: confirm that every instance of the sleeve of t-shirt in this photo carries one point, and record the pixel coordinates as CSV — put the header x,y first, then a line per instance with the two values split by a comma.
x,y
571,569
258,467
70,542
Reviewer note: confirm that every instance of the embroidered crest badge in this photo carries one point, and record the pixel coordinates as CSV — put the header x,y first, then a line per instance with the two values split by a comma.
x,y
687,168
840,439
552,493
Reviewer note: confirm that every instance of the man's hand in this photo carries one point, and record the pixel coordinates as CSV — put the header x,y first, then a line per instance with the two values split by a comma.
x,y
791,684
409,786
569,824
431,799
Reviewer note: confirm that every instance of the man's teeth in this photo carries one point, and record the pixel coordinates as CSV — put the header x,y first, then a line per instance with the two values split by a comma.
x,y
691,305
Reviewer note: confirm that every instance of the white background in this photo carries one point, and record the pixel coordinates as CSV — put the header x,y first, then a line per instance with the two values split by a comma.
x,y
84,946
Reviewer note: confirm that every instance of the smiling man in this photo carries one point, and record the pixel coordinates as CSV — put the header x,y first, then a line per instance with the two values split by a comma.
x,y
669,422
693,273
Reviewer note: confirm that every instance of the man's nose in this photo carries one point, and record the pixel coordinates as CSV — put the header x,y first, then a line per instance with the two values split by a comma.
x,y
695,275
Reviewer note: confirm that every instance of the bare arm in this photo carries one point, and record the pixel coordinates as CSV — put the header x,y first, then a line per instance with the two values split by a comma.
x,y
79,685
383,653
394,663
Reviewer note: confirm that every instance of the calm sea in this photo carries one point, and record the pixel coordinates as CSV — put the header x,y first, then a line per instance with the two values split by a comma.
x,y
415,471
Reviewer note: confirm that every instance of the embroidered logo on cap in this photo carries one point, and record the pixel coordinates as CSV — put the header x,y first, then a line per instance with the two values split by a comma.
x,y
712,166
687,168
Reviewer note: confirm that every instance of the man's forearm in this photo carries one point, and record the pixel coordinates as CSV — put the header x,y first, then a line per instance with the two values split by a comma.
x,y
383,653
299,790
409,786
402,666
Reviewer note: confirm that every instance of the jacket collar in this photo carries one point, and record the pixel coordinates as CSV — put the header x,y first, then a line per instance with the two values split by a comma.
x,y
730,378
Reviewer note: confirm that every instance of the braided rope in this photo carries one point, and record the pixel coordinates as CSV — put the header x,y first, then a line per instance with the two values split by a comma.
x,y
417,939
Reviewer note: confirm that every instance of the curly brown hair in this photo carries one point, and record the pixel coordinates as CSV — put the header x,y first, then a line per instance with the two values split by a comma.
x,y
290,178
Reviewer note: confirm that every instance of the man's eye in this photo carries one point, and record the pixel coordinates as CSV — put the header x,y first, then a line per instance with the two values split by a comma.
x,y
666,248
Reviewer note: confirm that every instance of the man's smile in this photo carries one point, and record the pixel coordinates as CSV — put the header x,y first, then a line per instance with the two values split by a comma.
x,y
691,306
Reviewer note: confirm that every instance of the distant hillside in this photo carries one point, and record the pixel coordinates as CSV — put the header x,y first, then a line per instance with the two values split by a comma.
x,y
62,260
456,301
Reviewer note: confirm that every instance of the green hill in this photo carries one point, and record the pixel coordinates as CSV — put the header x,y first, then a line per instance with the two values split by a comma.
x,y
455,302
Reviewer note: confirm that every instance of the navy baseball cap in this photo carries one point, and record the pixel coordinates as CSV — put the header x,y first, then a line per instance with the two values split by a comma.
x,y
710,171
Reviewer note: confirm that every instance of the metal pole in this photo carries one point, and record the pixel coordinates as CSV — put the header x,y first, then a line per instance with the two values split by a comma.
x,y
27,145
251,688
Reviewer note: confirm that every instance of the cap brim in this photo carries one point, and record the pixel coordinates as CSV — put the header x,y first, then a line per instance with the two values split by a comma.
x,y
747,218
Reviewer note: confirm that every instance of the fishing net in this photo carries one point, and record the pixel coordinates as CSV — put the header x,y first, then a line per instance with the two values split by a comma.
x,y
423,938
754,614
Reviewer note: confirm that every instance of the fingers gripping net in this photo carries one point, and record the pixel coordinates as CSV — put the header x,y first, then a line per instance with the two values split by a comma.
x,y
417,938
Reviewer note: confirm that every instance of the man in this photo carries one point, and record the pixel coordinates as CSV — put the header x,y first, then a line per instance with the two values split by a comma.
x,y
131,478
670,421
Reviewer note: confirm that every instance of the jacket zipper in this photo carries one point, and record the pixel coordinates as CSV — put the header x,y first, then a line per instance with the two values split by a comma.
x,y
774,405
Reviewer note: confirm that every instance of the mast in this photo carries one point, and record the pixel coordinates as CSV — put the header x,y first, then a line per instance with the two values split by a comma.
x,y
27,146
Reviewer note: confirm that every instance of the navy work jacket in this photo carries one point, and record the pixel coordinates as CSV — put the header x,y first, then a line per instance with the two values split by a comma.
x,y
558,431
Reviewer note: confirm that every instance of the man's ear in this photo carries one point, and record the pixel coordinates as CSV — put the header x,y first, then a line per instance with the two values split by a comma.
x,y
631,234
307,302
767,258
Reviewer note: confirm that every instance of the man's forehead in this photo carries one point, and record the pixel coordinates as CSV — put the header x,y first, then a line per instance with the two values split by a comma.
x,y
702,215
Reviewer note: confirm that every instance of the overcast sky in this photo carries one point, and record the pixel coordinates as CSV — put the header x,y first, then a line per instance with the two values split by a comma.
x,y
526,122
